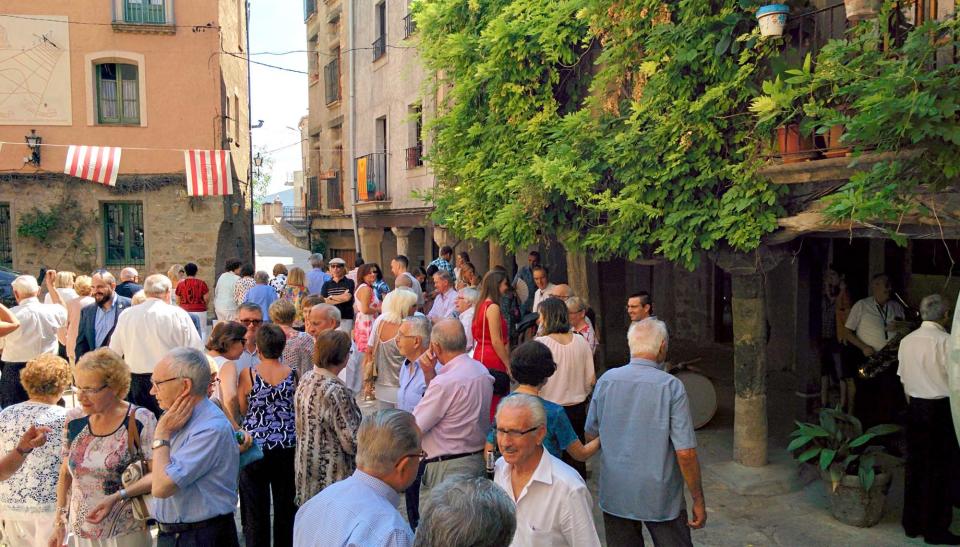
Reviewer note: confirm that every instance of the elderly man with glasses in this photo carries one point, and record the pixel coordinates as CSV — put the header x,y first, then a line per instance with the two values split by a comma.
x,y
362,509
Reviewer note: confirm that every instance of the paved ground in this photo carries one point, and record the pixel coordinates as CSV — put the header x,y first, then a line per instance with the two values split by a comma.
x,y
271,248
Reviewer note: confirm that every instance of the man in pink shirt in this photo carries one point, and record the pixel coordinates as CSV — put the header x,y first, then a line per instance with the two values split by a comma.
x,y
454,414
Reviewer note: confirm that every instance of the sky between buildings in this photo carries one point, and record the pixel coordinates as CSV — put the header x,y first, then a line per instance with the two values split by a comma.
x,y
278,97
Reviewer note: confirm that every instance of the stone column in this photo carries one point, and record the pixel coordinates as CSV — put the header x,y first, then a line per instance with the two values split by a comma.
x,y
403,240
442,236
370,242
498,255
749,352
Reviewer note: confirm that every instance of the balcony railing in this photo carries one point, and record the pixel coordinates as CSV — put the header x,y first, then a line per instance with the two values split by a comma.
x,y
294,213
415,156
371,176
331,81
334,193
144,12
379,47
810,31
409,26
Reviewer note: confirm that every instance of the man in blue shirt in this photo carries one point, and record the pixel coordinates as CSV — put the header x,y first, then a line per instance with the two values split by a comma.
x,y
316,277
262,294
196,459
362,509
649,447
413,341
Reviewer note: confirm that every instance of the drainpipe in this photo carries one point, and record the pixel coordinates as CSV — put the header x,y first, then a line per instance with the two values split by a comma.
x,y
253,237
351,38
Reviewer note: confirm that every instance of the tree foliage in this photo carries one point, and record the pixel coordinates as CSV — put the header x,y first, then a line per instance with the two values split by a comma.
x,y
620,126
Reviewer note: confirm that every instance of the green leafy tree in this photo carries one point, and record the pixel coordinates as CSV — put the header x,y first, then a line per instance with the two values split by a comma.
x,y
621,126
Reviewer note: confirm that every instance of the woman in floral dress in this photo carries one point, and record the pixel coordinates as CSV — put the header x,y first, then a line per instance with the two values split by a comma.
x,y
91,500
28,498
294,292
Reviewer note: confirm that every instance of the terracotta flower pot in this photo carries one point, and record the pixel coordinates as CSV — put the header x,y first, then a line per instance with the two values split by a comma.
x,y
833,147
793,146
858,10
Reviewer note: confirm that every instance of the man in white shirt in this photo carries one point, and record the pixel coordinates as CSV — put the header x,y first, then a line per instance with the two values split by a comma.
x,y
931,444
147,332
554,506
465,302
541,278
37,333
443,304
869,328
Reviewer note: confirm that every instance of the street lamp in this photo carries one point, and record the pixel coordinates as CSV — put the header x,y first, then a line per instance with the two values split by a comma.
x,y
33,143
258,160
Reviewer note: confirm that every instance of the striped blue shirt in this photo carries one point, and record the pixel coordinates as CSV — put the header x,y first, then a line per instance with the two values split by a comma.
x,y
360,510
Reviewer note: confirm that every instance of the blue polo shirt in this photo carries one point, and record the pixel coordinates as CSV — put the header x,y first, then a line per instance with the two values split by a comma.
x,y
643,417
263,296
204,463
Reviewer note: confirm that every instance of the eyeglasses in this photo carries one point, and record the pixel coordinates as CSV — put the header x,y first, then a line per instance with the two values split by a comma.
x,y
157,384
88,391
336,265
249,322
514,434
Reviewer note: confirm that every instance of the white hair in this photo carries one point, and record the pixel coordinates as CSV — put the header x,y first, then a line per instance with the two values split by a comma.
x,y
419,326
128,274
932,308
26,286
156,285
191,363
646,337
330,311
538,416
466,512
397,304
384,438
470,294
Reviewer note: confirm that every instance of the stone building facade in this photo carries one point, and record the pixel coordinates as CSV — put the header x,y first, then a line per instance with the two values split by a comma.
x,y
116,74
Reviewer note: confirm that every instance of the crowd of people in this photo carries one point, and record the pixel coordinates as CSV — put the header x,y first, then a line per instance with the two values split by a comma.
x,y
321,398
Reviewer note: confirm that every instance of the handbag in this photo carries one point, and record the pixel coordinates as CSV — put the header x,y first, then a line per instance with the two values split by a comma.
x,y
253,454
501,380
136,470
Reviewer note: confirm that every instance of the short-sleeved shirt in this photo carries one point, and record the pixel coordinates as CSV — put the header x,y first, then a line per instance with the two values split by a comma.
x,y
334,288
263,296
33,488
190,293
560,433
643,417
205,465
315,280
870,321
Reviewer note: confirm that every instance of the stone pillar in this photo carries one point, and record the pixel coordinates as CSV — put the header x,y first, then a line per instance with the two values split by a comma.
x,y
750,371
749,352
498,256
403,240
370,242
442,236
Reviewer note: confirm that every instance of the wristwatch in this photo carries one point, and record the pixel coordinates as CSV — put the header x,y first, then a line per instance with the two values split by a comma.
x,y
157,443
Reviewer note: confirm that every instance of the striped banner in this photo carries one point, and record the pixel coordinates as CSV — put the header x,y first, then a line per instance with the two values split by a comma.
x,y
95,163
208,172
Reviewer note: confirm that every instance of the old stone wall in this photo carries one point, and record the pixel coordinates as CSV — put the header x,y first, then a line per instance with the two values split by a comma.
x,y
177,229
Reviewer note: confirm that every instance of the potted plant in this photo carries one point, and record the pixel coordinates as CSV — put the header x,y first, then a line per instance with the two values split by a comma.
x,y
772,18
852,466
781,107
858,10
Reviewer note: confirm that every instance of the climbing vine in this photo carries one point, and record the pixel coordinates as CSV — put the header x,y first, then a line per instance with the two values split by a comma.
x,y
62,227
620,126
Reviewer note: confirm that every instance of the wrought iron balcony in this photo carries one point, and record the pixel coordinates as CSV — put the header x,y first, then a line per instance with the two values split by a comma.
x,y
379,47
294,213
371,177
141,12
409,26
415,156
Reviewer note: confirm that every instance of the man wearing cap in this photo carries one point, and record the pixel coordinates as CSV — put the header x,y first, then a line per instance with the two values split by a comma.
x,y
339,292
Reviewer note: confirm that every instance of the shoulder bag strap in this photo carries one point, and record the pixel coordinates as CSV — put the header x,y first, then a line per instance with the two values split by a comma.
x,y
483,330
133,435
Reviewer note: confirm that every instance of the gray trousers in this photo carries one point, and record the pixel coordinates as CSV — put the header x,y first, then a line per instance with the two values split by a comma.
x,y
437,472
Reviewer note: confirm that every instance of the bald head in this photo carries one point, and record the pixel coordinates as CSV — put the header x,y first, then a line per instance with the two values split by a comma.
x,y
323,317
129,274
448,340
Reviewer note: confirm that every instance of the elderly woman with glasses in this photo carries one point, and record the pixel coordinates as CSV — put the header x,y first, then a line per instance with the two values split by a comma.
x,y
28,495
91,499
580,323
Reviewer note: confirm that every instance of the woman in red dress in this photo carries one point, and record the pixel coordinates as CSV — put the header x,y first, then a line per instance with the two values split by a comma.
x,y
490,334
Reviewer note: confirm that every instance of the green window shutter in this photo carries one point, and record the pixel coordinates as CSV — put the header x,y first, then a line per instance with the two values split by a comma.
x,y
123,234
118,94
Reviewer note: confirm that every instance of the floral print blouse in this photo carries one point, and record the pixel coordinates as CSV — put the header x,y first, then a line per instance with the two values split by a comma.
x,y
96,463
33,488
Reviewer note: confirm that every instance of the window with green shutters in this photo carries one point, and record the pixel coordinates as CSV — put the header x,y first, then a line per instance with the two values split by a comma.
x,y
118,94
123,233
